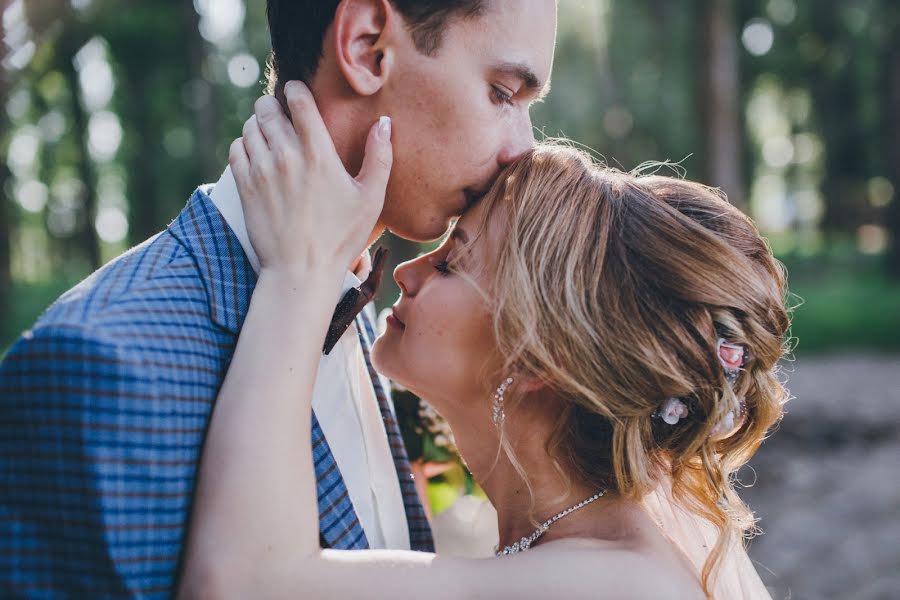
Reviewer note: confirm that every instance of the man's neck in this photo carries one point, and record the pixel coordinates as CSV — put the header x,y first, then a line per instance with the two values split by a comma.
x,y
344,114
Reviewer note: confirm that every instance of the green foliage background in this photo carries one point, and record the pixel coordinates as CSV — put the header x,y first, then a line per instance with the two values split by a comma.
x,y
815,124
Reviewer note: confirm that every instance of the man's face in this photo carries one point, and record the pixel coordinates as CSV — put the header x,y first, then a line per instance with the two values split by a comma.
x,y
462,115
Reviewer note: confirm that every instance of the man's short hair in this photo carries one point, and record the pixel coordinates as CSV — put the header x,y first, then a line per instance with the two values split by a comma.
x,y
297,28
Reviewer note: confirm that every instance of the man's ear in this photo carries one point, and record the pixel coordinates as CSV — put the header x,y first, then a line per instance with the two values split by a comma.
x,y
365,54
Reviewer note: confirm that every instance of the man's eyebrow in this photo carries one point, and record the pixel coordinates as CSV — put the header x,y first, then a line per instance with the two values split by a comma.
x,y
526,75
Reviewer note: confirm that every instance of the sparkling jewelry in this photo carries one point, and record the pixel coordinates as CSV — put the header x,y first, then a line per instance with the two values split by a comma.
x,y
497,414
526,542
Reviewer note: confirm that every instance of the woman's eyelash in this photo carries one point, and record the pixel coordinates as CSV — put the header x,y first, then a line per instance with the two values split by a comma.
x,y
443,267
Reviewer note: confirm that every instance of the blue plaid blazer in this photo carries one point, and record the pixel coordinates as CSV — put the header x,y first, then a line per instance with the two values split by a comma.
x,y
104,405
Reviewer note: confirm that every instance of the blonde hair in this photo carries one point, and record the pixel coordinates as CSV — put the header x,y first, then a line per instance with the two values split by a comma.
x,y
613,288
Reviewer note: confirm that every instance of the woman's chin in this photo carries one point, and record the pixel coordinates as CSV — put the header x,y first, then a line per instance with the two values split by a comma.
x,y
386,361
390,363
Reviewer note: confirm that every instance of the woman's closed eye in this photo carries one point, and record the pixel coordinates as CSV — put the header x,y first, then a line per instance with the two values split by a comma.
x,y
443,267
452,254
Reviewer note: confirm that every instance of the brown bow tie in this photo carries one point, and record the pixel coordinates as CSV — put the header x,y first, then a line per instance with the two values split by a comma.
x,y
354,301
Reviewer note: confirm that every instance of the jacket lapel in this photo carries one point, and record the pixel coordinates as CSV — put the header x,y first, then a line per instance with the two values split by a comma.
x,y
227,275
229,281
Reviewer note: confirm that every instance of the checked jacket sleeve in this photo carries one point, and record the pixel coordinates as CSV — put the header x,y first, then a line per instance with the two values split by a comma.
x,y
85,476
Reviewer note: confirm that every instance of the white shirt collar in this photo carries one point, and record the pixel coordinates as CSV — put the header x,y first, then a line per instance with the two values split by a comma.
x,y
226,198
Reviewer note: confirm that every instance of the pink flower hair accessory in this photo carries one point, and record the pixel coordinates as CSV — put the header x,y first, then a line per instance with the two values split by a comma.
x,y
725,425
672,411
733,358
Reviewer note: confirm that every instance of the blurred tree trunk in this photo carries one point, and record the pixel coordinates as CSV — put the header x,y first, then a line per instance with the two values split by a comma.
x,y
145,141
892,137
203,105
837,97
135,46
57,19
5,213
70,42
718,90
152,47
5,201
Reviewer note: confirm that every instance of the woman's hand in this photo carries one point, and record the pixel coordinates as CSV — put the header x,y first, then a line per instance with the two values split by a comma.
x,y
304,212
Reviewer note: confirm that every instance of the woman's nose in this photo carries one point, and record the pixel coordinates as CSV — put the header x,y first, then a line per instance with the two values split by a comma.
x,y
411,274
403,276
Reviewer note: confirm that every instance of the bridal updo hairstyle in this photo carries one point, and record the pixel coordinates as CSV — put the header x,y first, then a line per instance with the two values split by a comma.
x,y
613,288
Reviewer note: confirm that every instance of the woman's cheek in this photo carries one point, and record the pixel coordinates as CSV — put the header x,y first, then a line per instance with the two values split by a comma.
x,y
442,339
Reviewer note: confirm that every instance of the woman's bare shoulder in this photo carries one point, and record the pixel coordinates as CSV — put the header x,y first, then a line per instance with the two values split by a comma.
x,y
563,569
591,569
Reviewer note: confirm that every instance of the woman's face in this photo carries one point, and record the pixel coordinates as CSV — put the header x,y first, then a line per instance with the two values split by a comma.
x,y
439,342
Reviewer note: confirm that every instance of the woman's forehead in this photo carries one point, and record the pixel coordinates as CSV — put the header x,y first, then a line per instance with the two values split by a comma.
x,y
472,218
480,220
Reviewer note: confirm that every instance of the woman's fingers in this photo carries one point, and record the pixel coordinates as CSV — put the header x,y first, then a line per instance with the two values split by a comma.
x,y
299,201
255,144
278,132
240,164
376,167
308,124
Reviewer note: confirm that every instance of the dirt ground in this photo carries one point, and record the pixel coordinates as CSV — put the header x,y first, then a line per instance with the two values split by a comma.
x,y
826,491
826,487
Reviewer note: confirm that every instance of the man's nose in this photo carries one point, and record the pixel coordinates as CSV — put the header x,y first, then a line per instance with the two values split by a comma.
x,y
519,141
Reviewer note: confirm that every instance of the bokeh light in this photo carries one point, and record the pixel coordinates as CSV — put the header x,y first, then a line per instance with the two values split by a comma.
x,y
104,135
23,150
111,224
220,20
871,239
94,75
782,12
32,195
243,70
758,37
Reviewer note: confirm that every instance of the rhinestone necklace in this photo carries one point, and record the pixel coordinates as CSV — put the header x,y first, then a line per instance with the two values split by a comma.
x,y
526,542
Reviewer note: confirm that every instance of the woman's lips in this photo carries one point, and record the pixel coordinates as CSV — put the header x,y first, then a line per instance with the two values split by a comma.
x,y
393,321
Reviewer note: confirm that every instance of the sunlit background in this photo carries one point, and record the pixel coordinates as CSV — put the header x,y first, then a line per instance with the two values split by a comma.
x,y
115,111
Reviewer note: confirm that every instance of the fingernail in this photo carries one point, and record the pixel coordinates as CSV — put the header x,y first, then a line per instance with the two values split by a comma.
x,y
384,128
289,86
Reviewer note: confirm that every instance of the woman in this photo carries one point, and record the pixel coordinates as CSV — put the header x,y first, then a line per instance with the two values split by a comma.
x,y
603,345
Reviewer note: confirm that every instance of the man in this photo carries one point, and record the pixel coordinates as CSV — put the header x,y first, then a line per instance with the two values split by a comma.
x,y
105,401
